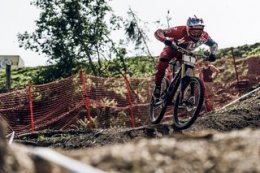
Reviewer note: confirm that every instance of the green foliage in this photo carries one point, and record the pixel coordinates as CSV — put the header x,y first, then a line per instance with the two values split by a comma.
x,y
69,33
241,51
139,66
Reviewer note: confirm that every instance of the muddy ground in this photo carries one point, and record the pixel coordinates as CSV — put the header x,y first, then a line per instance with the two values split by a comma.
x,y
226,140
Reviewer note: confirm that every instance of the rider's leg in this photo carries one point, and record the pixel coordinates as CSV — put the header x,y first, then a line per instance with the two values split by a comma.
x,y
162,65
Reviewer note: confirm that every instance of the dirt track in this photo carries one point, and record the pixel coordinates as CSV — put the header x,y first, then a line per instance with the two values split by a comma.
x,y
243,114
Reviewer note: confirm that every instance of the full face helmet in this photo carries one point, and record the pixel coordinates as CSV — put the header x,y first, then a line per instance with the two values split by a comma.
x,y
195,27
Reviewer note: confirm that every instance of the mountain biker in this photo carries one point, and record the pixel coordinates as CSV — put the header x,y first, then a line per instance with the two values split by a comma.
x,y
188,37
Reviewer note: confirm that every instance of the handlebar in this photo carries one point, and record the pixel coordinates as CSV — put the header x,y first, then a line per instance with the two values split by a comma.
x,y
187,52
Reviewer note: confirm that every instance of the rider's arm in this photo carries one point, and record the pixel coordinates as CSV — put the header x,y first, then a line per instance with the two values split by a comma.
x,y
159,35
213,45
171,33
215,71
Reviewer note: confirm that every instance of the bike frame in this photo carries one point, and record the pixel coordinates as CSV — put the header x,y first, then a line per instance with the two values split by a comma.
x,y
178,79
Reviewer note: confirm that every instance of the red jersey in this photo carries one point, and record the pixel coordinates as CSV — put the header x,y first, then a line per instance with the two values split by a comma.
x,y
180,36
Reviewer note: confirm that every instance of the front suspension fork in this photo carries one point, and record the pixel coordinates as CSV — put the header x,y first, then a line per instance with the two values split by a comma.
x,y
184,80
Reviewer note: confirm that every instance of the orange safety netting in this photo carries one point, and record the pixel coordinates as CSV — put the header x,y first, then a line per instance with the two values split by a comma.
x,y
80,100
105,103
54,106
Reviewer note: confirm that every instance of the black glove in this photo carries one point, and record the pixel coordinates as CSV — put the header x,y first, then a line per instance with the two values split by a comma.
x,y
167,42
212,57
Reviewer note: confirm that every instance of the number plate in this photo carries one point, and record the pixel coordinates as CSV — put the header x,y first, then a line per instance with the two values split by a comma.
x,y
190,59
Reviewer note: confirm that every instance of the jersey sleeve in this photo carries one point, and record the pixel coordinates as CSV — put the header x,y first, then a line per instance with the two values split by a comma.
x,y
159,35
211,43
162,34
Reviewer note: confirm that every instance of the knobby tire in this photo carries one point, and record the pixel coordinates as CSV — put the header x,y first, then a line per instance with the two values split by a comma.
x,y
157,119
181,126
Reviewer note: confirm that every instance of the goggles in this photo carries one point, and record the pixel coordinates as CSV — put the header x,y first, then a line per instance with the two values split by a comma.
x,y
195,32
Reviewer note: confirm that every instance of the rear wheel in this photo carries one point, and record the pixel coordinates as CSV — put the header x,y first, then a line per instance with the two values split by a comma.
x,y
157,107
187,107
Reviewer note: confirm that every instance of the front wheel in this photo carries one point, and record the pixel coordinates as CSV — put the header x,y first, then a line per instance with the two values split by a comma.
x,y
188,103
157,107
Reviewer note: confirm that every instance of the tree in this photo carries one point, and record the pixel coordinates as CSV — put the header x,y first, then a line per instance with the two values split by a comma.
x,y
70,32
135,33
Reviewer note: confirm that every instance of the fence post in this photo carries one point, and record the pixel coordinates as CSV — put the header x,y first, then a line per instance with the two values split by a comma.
x,y
209,106
31,105
86,98
8,77
234,61
130,105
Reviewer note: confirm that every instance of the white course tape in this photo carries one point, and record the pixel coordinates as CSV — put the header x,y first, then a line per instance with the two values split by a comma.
x,y
11,138
240,98
71,165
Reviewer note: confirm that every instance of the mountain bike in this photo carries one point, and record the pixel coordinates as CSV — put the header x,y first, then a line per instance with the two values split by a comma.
x,y
184,92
